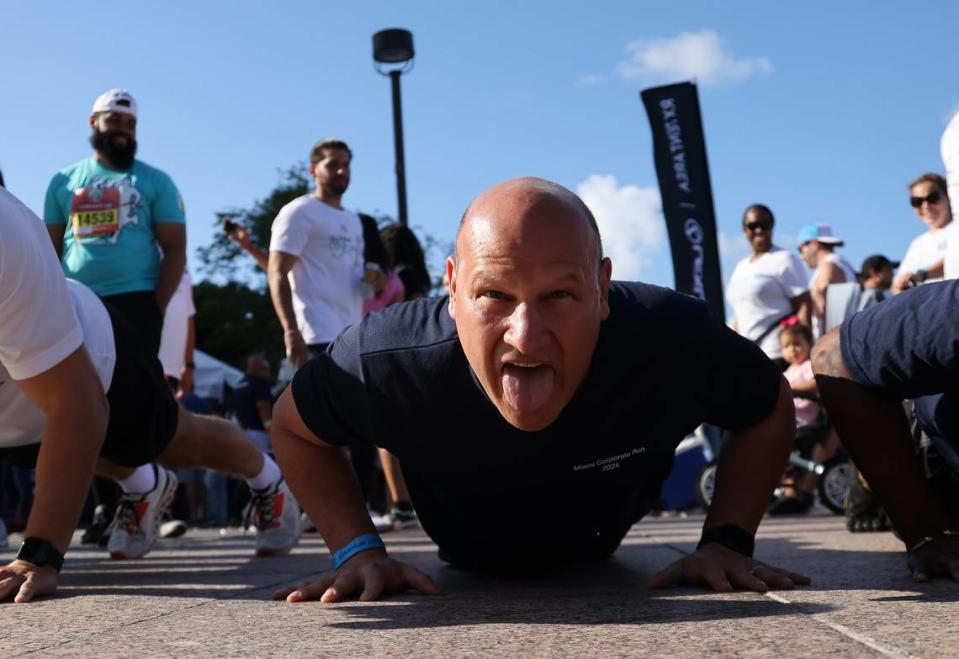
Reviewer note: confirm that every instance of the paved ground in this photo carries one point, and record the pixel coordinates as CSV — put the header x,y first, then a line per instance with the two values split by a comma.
x,y
204,595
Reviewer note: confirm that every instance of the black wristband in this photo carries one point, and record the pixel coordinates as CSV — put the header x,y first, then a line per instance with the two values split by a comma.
x,y
729,536
40,552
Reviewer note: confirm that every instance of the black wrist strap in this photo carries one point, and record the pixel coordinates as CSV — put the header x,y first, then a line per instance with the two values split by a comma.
x,y
40,553
729,536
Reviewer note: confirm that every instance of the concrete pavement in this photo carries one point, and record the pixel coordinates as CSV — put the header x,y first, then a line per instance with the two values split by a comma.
x,y
204,594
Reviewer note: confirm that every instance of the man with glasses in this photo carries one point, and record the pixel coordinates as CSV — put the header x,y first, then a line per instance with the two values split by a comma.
x,y
768,286
924,258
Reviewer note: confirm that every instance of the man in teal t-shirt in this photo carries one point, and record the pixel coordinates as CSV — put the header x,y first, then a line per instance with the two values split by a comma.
x,y
117,223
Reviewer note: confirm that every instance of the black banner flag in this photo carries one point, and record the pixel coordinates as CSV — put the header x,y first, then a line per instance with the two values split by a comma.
x,y
679,150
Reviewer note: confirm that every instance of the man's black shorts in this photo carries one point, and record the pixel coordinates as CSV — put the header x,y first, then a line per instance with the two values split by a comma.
x,y
143,411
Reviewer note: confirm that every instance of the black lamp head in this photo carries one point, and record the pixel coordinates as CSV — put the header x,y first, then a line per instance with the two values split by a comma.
x,y
394,46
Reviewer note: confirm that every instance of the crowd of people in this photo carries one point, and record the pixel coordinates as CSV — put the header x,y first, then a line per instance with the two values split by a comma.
x,y
496,409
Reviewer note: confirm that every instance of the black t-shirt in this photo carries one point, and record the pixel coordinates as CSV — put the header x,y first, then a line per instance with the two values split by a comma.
x,y
662,366
251,390
908,346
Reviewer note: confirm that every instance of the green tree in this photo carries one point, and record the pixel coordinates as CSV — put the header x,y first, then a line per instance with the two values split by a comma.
x,y
234,321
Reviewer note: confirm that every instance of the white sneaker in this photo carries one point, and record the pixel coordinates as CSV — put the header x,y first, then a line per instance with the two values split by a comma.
x,y
277,517
381,523
138,517
173,528
403,519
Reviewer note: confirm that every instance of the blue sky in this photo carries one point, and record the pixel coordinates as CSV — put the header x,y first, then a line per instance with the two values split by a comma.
x,y
822,111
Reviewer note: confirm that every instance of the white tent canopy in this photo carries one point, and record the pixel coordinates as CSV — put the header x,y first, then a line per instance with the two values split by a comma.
x,y
211,374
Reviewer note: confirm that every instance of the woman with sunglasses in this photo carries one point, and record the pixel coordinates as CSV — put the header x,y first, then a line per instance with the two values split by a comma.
x,y
924,258
768,286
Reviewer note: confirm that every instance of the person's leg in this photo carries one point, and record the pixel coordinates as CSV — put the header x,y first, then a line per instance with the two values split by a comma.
x,y
402,515
212,443
215,443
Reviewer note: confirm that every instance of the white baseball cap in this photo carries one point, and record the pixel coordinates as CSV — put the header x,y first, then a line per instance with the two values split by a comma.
x,y
115,100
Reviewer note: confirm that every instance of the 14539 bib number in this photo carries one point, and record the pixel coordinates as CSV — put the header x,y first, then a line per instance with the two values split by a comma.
x,y
95,212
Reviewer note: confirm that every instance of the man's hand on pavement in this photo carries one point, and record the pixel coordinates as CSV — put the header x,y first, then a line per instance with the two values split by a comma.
x,y
725,570
368,575
938,557
23,581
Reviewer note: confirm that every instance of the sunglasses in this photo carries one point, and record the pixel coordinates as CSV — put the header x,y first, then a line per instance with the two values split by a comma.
x,y
765,225
932,198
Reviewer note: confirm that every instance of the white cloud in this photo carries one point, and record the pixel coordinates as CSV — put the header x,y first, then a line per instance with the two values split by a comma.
x,y
700,55
630,222
590,80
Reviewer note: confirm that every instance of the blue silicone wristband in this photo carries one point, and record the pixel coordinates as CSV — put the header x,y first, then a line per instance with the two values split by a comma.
x,y
356,545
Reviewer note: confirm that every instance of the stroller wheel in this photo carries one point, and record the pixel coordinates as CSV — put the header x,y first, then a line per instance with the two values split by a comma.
x,y
706,485
834,483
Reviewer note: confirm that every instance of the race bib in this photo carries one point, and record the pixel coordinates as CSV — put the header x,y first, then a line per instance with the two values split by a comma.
x,y
95,212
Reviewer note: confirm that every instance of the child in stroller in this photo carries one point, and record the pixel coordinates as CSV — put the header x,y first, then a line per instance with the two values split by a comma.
x,y
816,442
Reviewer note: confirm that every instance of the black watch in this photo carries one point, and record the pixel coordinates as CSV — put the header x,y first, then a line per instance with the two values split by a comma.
x,y
40,552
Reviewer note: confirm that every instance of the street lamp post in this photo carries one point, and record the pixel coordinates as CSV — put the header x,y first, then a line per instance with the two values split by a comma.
x,y
393,56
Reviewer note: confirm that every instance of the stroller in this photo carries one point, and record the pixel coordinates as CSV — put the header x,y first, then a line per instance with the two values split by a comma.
x,y
834,474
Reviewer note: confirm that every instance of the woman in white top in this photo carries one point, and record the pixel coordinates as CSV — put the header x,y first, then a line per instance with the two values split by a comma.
x,y
768,286
924,258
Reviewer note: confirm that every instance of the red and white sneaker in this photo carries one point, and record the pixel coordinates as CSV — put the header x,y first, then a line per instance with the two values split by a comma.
x,y
276,515
138,517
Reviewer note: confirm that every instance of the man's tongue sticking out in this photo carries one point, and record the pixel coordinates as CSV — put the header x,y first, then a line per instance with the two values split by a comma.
x,y
525,388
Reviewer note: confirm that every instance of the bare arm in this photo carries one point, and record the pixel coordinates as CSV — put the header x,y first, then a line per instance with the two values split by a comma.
x,y
749,468
280,264
751,465
829,273
56,232
171,238
242,238
188,370
905,278
72,398
876,433
802,307
325,485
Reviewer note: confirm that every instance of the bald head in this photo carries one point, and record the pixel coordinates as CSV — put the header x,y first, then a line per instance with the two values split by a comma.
x,y
509,204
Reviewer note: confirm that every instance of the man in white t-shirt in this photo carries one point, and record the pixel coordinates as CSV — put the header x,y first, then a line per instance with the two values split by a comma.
x,y
316,258
178,339
81,392
768,286
925,257
949,148
817,244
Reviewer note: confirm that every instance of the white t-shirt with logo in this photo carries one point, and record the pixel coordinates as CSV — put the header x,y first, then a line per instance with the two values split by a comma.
x,y
926,249
328,275
949,147
176,320
43,320
760,291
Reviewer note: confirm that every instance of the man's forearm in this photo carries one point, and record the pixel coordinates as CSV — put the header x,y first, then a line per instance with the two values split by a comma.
x,y
750,466
261,257
65,466
172,268
801,307
325,487
876,434
282,296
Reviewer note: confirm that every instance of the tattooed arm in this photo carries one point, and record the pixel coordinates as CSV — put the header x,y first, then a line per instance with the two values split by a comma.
x,y
875,432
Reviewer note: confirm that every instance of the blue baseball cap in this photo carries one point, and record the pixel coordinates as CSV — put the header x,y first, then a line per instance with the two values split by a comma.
x,y
821,232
